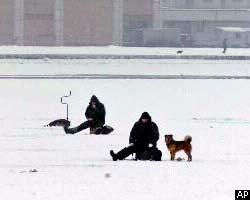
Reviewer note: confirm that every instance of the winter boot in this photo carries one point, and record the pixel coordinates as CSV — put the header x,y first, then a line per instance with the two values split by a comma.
x,y
107,129
124,153
113,155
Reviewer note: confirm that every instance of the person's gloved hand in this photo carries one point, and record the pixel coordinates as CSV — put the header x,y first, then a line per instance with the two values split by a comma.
x,y
131,144
150,145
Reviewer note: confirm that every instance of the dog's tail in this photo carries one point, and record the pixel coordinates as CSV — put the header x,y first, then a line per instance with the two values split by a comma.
x,y
188,139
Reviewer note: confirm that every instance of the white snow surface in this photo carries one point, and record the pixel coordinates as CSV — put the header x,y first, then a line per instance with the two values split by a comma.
x,y
124,67
42,163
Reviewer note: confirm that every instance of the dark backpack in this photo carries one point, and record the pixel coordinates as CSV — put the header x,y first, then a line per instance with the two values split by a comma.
x,y
105,130
152,154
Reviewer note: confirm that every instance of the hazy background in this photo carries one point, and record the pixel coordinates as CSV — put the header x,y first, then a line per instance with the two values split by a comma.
x,y
178,23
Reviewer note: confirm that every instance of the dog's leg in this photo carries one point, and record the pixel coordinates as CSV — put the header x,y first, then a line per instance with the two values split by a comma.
x,y
189,155
172,155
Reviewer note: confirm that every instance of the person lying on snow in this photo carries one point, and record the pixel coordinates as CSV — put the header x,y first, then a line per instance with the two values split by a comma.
x,y
142,141
95,114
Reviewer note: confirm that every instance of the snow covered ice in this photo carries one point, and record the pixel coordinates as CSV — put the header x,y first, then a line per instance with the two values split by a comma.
x,y
46,164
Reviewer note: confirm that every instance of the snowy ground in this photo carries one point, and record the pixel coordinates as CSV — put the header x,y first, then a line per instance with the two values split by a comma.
x,y
124,67
215,112
118,50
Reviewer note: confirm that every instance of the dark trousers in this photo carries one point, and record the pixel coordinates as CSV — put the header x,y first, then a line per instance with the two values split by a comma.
x,y
141,153
124,153
82,126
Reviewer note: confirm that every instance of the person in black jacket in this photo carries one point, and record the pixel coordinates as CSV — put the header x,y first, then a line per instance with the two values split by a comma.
x,y
224,44
95,114
142,141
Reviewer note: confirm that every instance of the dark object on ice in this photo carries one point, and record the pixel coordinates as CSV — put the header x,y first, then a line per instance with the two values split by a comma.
x,y
180,51
174,146
142,141
33,170
105,130
60,122
180,159
107,175
224,45
95,114
153,154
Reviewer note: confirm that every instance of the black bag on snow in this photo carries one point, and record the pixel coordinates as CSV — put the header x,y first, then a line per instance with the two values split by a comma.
x,y
152,154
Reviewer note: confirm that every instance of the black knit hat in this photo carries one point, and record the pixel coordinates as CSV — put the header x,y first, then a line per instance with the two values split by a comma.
x,y
145,115
94,99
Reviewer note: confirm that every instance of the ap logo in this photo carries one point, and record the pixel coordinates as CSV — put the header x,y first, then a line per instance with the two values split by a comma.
x,y
242,194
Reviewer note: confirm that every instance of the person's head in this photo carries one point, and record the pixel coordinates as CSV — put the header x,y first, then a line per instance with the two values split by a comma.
x,y
145,118
94,100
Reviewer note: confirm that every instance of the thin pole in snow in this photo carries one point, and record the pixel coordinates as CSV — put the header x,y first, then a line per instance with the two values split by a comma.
x,y
66,103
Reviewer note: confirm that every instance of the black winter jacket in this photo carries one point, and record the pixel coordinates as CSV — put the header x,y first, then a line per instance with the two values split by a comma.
x,y
144,134
98,113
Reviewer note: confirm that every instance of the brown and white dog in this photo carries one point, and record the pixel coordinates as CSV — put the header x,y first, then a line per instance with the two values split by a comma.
x,y
174,146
